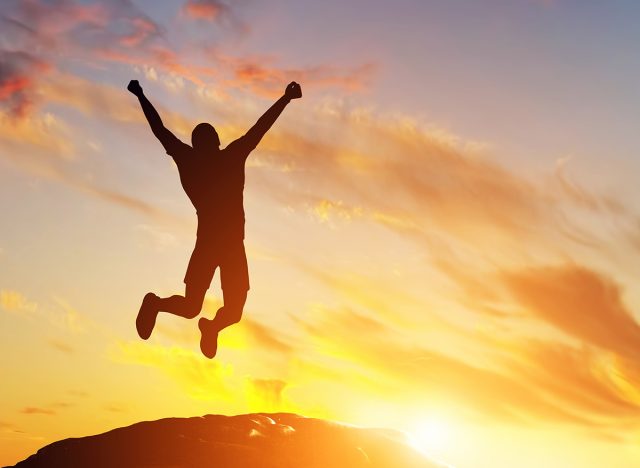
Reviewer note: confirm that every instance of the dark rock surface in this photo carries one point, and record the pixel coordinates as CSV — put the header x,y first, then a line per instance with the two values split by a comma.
x,y
253,440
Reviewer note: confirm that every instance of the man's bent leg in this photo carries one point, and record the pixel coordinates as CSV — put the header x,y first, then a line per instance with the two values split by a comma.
x,y
227,315
234,277
231,312
187,306
235,295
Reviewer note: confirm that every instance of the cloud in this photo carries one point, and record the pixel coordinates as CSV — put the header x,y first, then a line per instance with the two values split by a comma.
x,y
18,73
264,337
120,32
43,138
68,318
396,365
61,404
200,378
581,196
582,303
49,410
265,394
432,182
55,18
44,146
16,302
328,210
61,346
74,27
116,408
8,427
205,9
528,382
142,29
37,410
160,239
576,378
40,35
262,76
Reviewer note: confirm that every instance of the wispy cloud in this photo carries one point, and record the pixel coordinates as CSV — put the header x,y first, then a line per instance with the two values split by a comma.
x,y
582,303
534,382
205,9
37,411
16,302
202,379
264,337
61,346
263,76
18,72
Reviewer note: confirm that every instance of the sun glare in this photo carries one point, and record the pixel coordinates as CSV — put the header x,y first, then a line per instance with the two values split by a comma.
x,y
431,436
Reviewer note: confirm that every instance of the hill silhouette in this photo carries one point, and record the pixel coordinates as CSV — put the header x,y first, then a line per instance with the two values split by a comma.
x,y
259,440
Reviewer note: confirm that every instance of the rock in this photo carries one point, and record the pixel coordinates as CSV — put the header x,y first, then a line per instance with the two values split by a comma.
x,y
279,440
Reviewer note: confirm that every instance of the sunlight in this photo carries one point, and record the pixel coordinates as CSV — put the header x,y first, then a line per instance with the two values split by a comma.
x,y
432,436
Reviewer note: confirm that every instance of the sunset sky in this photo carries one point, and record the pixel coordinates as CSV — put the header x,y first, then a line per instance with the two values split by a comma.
x,y
443,235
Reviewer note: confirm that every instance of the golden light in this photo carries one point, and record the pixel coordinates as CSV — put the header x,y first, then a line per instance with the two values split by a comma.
x,y
432,436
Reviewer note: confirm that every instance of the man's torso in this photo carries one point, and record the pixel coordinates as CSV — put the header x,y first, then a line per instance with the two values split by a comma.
x,y
214,183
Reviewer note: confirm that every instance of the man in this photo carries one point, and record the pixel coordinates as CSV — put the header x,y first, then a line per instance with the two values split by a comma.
x,y
213,178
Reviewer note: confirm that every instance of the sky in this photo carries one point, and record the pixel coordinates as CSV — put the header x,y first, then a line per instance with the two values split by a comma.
x,y
443,234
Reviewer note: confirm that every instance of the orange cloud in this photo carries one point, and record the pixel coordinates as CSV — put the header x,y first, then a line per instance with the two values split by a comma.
x,y
260,75
583,304
579,379
424,375
142,29
18,73
37,410
45,147
205,9
264,337
582,197
533,382
430,183
41,33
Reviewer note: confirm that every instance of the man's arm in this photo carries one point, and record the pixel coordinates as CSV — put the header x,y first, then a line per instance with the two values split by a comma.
x,y
162,133
264,123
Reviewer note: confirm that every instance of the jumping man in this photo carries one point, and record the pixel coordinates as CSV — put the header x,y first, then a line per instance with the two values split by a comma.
x,y
213,179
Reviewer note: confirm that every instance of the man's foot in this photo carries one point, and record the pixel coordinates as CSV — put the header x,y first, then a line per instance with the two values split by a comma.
x,y
146,319
209,339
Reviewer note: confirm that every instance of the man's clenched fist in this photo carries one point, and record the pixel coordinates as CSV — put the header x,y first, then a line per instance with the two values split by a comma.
x,y
293,91
134,87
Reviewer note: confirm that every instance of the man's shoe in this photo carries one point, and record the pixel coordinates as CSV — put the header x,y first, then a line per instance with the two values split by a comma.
x,y
146,319
209,339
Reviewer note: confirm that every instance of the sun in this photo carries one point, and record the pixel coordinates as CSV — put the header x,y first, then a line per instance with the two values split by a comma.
x,y
431,436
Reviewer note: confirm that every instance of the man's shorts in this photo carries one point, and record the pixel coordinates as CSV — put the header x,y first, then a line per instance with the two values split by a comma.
x,y
210,254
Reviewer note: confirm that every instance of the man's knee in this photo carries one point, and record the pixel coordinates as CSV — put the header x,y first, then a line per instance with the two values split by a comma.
x,y
234,314
228,315
193,302
234,301
192,308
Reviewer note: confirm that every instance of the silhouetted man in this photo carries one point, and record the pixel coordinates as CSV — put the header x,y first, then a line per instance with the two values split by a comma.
x,y
214,181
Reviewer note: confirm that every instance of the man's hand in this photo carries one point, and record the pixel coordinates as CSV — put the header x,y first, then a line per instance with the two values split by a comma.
x,y
134,87
293,91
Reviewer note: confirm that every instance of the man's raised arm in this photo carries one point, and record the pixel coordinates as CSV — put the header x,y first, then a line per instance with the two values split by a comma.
x,y
264,123
162,133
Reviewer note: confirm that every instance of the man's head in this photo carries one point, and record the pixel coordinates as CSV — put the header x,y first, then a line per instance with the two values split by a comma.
x,y
204,136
